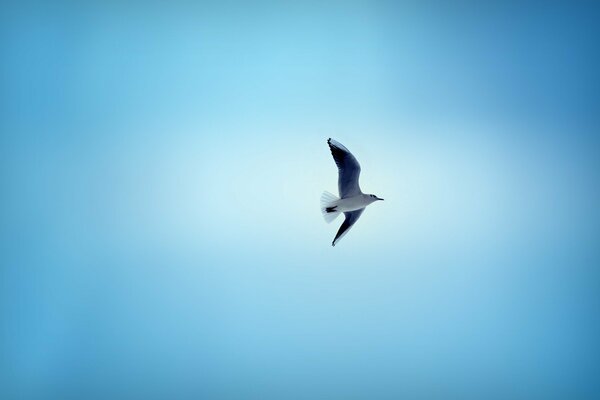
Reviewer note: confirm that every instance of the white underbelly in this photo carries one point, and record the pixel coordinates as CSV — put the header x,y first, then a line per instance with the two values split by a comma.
x,y
351,204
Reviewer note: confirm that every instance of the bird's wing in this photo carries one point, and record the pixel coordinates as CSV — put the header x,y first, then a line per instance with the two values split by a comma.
x,y
348,169
351,218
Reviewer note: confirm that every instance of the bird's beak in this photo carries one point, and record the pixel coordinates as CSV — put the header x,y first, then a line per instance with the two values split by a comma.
x,y
379,198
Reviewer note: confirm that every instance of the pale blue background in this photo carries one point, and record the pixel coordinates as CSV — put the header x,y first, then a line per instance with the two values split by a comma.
x,y
161,168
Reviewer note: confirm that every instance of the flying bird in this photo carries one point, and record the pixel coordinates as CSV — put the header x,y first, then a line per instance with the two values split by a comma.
x,y
352,201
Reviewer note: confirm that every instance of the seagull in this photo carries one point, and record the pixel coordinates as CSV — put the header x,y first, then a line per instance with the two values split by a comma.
x,y
352,201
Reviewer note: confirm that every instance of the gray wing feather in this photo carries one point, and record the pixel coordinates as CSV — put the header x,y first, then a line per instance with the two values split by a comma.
x,y
351,218
348,169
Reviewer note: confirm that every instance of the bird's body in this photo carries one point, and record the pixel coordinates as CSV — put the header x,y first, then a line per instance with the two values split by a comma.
x,y
352,201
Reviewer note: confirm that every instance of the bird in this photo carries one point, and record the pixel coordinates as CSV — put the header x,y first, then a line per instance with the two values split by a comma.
x,y
352,201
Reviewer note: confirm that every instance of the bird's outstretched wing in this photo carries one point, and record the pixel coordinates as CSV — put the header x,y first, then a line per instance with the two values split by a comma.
x,y
351,218
348,169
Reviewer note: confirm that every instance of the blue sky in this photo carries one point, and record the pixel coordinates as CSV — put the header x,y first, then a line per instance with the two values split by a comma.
x,y
161,167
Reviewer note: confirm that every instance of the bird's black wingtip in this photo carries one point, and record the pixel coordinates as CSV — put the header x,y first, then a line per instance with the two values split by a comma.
x,y
329,141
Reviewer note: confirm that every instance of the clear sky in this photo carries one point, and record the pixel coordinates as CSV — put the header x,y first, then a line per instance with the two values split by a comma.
x,y
161,168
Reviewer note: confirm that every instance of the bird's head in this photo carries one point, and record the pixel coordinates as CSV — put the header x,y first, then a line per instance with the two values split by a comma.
x,y
374,198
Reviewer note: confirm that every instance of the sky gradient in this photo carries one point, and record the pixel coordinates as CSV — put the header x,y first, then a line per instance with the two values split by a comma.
x,y
161,168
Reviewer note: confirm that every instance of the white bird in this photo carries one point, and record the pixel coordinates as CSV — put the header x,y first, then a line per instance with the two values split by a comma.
x,y
352,200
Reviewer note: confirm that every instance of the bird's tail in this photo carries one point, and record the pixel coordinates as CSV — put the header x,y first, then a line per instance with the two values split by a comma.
x,y
329,206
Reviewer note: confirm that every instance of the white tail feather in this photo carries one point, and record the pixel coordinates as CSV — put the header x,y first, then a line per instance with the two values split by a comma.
x,y
329,200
